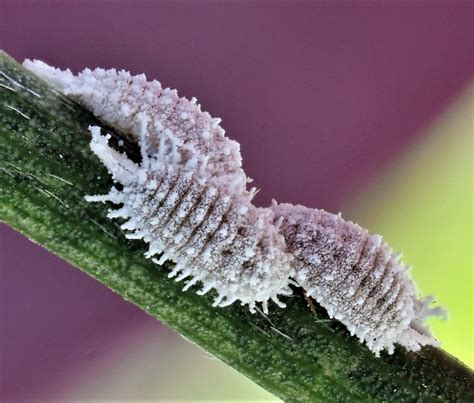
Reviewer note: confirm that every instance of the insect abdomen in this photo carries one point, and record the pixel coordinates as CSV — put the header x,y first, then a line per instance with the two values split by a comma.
x,y
354,275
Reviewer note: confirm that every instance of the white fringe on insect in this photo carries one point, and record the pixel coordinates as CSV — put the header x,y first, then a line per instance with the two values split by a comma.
x,y
188,200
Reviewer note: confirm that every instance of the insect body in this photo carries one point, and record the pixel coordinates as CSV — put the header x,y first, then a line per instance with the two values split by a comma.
x,y
188,199
356,277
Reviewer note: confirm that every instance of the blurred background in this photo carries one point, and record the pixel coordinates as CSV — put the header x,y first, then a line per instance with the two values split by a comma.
x,y
360,107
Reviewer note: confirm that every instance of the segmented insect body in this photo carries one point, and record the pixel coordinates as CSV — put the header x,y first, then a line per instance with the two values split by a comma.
x,y
356,277
188,199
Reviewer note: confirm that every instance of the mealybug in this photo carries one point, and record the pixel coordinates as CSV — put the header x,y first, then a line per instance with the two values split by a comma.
x,y
188,199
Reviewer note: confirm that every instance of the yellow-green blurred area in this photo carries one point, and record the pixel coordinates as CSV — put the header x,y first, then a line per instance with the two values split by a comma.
x,y
422,205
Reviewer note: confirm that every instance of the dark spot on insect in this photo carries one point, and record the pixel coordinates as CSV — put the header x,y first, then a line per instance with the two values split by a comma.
x,y
247,264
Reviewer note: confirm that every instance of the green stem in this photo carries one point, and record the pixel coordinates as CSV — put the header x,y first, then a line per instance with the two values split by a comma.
x,y
46,168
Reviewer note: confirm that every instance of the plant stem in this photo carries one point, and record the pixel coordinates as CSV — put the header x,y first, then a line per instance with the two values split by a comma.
x,y
46,168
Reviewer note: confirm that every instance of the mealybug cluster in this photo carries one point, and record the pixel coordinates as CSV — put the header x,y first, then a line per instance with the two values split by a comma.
x,y
188,199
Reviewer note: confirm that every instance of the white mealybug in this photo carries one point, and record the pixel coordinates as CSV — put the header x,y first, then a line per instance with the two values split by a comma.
x,y
356,277
188,199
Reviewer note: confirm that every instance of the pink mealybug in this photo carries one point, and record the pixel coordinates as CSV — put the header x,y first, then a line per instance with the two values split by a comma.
x,y
356,277
188,200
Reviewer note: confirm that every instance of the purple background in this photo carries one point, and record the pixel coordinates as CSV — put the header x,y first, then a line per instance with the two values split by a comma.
x,y
320,95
